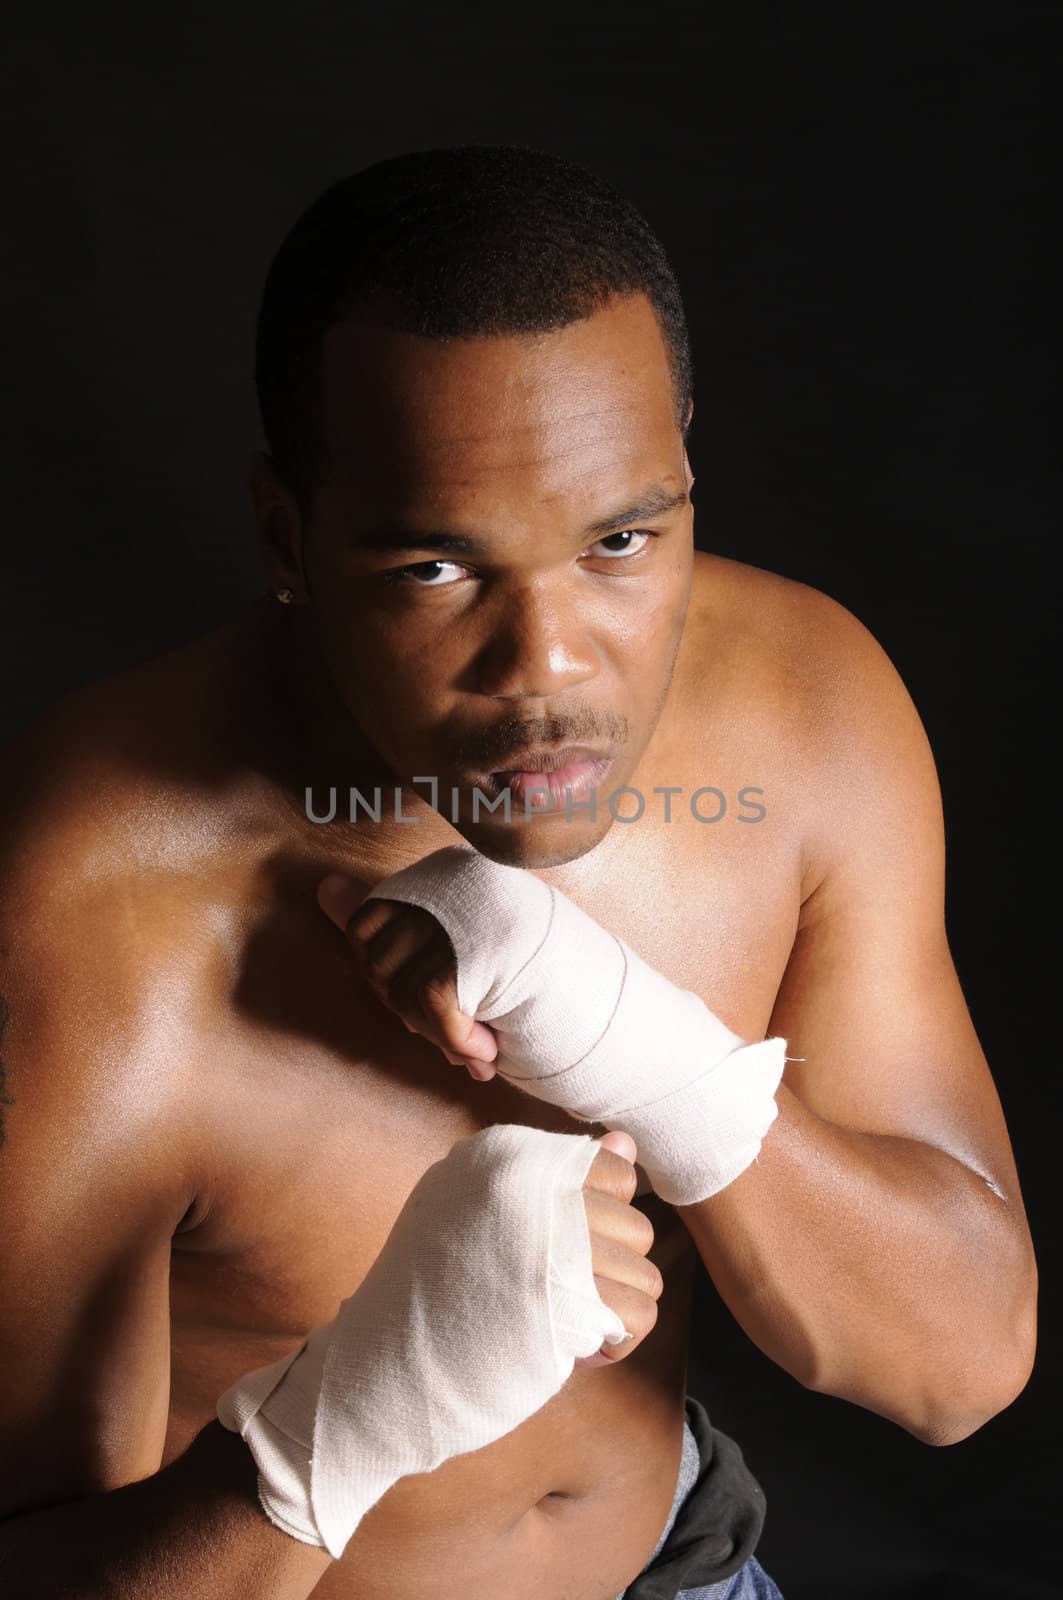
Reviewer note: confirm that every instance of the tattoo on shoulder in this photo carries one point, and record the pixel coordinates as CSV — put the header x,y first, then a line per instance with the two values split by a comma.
x,y
5,1098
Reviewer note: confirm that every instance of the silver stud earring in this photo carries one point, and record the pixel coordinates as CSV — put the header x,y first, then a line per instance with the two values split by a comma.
x,y
285,596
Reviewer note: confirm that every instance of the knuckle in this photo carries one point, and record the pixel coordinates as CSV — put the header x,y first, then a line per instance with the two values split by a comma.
x,y
392,987
437,991
636,1310
626,1178
618,1176
368,920
654,1280
383,952
640,1231
377,964
643,1315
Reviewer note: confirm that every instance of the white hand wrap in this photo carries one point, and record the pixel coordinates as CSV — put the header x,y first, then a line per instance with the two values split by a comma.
x,y
585,1023
469,1320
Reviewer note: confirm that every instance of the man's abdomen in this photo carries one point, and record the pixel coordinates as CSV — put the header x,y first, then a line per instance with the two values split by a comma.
x,y
570,1504
567,1507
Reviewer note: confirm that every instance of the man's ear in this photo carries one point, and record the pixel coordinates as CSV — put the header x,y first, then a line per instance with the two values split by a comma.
x,y
686,458
279,524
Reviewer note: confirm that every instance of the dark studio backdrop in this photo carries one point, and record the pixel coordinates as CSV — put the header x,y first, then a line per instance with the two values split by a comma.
x,y
857,202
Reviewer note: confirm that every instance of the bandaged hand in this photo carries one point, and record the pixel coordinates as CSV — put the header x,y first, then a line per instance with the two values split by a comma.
x,y
576,1017
513,1258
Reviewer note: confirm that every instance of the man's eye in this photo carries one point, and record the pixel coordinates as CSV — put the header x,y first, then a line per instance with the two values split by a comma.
x,y
625,549
426,574
441,574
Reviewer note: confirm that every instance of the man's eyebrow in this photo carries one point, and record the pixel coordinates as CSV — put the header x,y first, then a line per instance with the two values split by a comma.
x,y
387,536
653,502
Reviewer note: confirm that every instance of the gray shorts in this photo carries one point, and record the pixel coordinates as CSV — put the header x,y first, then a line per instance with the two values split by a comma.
x,y
705,1549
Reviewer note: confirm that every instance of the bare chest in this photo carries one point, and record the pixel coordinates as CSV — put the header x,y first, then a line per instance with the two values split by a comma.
x,y
317,1112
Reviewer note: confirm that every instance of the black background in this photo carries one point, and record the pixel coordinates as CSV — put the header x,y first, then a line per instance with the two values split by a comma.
x,y
859,204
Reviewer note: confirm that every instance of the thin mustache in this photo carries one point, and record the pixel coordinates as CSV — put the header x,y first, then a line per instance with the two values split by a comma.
x,y
490,750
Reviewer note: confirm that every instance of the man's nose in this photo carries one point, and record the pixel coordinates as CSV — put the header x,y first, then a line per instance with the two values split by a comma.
x,y
537,646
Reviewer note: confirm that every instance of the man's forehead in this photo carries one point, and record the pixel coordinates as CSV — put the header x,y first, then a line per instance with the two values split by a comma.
x,y
497,401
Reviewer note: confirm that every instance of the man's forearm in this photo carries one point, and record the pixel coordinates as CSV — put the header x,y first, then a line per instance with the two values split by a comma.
x,y
195,1531
878,1269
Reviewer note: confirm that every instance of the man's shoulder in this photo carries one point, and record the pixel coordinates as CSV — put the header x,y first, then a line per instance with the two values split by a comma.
x,y
792,647
809,691
80,788
123,774
785,620
112,823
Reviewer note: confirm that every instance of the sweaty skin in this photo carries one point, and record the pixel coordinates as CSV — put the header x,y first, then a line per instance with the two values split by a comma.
x,y
222,1120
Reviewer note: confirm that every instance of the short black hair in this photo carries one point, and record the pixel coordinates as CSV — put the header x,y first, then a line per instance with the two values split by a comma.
x,y
452,243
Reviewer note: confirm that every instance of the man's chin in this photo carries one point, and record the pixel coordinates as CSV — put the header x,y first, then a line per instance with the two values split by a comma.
x,y
532,845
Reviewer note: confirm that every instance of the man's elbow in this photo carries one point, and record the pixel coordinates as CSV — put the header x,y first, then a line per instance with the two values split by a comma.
x,y
997,1367
953,1419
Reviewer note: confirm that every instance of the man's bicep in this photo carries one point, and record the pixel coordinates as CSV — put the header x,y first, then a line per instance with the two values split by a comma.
x,y
870,1000
86,1220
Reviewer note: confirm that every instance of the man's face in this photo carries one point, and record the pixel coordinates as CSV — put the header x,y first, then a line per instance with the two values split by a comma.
x,y
500,560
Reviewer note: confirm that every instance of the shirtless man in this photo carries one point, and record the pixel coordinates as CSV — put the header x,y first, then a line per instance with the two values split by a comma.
x,y
478,545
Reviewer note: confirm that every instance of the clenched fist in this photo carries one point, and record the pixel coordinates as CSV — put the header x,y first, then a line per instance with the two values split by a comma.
x,y
409,961
514,1256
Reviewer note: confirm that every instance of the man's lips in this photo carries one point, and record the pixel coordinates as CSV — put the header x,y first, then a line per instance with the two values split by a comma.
x,y
544,778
